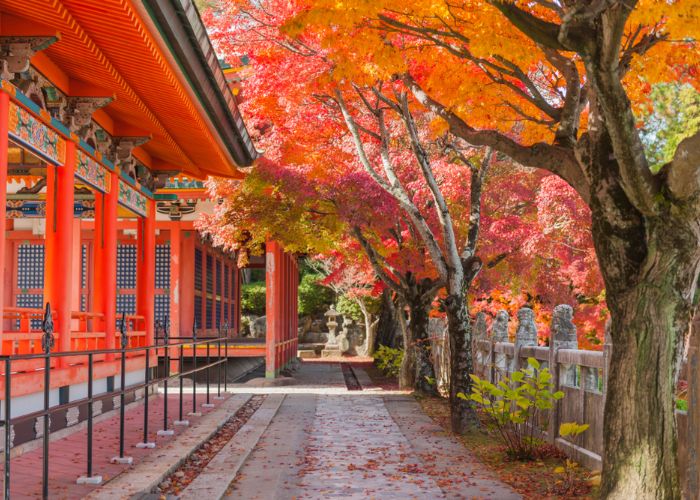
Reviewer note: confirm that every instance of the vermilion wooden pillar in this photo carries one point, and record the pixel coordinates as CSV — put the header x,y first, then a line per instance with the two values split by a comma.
x,y
58,273
236,322
272,307
175,268
186,294
105,260
4,147
146,269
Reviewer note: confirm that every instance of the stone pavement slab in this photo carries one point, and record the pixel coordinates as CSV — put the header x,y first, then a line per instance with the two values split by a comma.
x,y
327,442
271,469
218,474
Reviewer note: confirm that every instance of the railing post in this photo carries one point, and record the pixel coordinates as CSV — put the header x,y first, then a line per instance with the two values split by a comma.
x,y
147,378
194,412
208,376
218,364
181,365
8,425
526,335
89,478
124,339
226,356
166,349
47,342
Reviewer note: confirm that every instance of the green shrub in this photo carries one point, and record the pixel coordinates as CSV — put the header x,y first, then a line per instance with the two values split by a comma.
x,y
351,309
681,404
253,298
313,298
388,360
517,405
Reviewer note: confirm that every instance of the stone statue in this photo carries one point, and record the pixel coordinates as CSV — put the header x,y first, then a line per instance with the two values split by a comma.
x,y
480,327
526,333
563,329
499,329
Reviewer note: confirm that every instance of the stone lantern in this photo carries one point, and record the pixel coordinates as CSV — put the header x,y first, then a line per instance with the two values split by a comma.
x,y
332,348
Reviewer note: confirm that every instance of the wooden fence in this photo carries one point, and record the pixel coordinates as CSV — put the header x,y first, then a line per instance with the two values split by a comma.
x,y
580,374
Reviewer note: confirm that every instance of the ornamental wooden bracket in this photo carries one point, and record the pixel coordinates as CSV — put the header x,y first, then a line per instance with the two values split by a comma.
x,y
77,116
16,53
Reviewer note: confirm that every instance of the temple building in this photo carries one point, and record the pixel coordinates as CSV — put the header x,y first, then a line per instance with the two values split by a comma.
x,y
112,115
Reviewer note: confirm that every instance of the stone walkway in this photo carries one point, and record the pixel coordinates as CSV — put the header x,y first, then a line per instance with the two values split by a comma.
x,y
341,444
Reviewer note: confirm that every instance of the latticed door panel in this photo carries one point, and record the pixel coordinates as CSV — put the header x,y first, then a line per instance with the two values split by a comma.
x,y
29,291
126,279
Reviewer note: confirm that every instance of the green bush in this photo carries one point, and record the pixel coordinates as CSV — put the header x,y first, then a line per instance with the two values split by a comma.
x,y
313,298
517,405
388,360
253,298
351,309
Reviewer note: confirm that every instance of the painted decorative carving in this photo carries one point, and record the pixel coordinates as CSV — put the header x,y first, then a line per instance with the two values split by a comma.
x,y
132,199
16,53
92,172
78,113
121,153
29,131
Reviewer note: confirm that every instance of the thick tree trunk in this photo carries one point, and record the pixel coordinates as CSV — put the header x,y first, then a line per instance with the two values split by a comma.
x,y
425,370
459,328
388,331
650,268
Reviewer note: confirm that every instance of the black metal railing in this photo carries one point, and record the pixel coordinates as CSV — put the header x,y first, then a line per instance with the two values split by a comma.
x,y
164,343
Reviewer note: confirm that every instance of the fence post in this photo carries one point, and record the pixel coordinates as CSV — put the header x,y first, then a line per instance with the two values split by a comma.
x,y
194,412
166,358
480,331
181,365
208,404
124,341
562,336
499,334
147,378
526,334
218,362
89,478
226,356
47,342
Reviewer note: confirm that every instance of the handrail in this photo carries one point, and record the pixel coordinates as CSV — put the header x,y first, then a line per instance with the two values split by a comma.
x,y
167,346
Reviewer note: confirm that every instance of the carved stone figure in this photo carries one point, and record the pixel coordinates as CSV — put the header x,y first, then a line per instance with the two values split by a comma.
x,y
563,328
499,329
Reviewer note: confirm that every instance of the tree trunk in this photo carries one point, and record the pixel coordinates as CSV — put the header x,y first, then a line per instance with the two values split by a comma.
x,y
388,330
425,370
407,372
650,267
367,347
459,328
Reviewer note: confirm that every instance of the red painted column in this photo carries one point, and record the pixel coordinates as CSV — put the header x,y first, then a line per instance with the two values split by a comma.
x,y
58,271
236,298
187,270
104,291
203,313
272,264
175,268
4,147
146,269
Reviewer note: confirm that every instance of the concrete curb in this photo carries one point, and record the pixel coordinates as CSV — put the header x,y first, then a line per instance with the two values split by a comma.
x,y
213,482
141,479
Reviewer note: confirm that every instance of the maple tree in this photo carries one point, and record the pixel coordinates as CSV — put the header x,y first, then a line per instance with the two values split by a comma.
x,y
556,85
284,112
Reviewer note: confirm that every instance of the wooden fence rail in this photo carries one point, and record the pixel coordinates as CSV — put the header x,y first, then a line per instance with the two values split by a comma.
x,y
580,374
